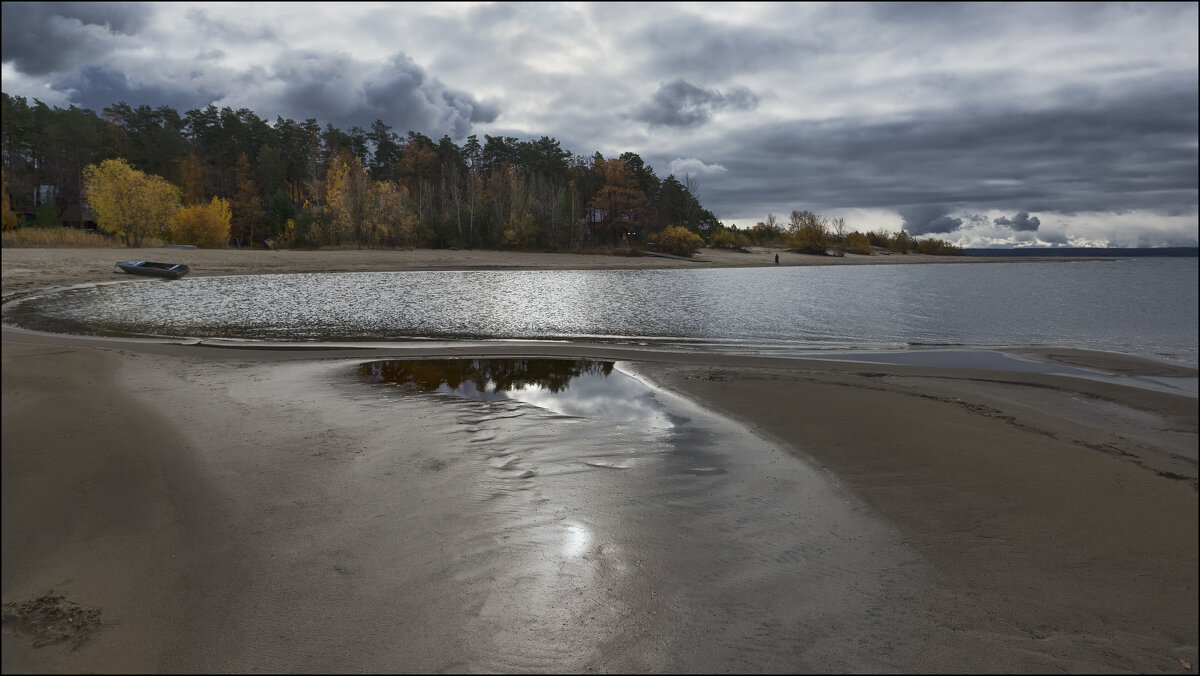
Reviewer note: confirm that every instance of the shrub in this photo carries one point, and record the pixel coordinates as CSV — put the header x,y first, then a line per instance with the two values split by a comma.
x,y
810,239
679,241
47,216
857,243
901,243
11,219
879,238
938,247
519,232
204,225
728,239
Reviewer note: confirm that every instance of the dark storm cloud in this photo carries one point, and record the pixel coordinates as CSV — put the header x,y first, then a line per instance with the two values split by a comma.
x,y
1021,222
74,44
345,92
925,219
97,88
682,104
45,37
1137,152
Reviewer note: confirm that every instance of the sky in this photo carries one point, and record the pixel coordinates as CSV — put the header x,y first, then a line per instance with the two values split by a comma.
x,y
984,124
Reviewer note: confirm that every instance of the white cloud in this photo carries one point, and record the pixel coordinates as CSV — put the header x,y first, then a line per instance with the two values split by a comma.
x,y
694,167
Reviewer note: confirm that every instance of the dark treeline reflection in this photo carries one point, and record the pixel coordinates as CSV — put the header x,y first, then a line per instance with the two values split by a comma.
x,y
502,375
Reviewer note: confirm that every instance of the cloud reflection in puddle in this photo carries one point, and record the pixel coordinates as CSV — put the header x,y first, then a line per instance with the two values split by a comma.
x,y
569,387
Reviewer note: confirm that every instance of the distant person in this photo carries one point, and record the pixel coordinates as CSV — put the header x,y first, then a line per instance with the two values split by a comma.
x,y
776,259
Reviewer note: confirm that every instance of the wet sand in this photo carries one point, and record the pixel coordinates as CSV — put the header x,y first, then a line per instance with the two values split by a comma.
x,y
279,515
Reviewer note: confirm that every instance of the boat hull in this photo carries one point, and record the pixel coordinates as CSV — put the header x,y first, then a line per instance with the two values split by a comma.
x,y
154,269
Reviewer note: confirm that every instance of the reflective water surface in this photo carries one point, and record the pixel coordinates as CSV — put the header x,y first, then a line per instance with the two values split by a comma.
x,y
1143,307
573,387
603,510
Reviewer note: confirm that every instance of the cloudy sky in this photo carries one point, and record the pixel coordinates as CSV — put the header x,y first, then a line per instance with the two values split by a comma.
x,y
982,124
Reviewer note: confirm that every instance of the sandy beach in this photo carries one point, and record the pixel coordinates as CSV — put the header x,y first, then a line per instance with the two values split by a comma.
x,y
224,509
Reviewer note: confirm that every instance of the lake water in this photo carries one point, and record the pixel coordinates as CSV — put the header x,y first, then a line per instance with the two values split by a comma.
x,y
1143,307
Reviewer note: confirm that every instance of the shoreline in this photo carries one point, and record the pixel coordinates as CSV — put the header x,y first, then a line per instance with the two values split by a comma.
x,y
29,268
1032,508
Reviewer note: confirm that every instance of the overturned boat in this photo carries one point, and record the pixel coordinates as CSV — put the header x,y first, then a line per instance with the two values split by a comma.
x,y
154,269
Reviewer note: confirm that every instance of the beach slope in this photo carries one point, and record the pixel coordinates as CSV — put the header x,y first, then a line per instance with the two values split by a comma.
x,y
233,510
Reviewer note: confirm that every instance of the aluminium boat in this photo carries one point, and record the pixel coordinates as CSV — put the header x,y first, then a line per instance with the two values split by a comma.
x,y
154,269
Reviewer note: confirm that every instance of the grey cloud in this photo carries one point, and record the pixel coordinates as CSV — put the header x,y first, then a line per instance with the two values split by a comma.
x,y
1053,237
322,85
227,31
97,88
462,111
957,18
45,37
942,17
346,92
1021,222
695,47
1133,153
682,104
1155,239
926,219
339,88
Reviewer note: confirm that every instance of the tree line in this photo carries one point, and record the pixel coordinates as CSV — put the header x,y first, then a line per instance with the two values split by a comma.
x,y
811,233
298,183
216,175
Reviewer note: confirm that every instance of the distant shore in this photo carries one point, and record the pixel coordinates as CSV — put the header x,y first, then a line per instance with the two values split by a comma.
x,y
224,508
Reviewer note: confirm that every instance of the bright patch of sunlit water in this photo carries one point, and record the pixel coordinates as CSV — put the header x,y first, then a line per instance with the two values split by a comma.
x,y
1139,306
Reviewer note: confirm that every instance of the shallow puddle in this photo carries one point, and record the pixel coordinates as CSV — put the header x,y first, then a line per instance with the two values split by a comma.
x,y
605,509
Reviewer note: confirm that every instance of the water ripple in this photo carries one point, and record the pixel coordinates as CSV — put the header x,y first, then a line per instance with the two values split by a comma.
x,y
1146,307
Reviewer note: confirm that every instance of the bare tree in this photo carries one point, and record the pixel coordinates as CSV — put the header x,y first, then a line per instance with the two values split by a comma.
x,y
691,204
456,189
838,225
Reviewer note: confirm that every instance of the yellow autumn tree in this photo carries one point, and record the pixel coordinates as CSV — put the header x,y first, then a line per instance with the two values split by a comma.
x,y
348,197
808,232
130,203
10,217
392,216
204,225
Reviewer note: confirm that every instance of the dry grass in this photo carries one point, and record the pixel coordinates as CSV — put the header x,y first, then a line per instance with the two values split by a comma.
x,y
64,238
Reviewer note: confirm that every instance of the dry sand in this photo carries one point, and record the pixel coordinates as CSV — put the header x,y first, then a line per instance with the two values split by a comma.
x,y
233,510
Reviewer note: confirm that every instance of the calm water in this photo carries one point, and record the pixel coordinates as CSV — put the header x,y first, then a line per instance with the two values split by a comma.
x,y
568,387
1138,306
